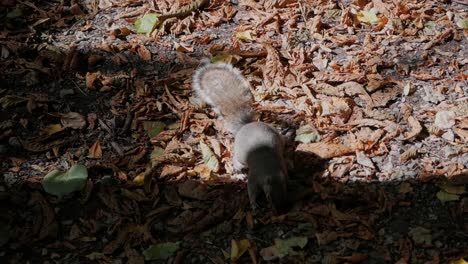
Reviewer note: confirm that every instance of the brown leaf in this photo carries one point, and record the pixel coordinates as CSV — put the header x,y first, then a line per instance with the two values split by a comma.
x,y
136,195
47,223
133,256
325,150
144,53
91,78
344,89
171,170
362,159
194,190
39,145
326,237
381,98
183,47
341,108
172,197
93,60
416,128
355,258
423,76
462,133
203,172
408,154
72,119
95,152
338,77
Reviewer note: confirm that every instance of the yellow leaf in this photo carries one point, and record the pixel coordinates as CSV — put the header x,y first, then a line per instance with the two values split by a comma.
x,y
460,261
238,248
246,35
369,17
209,157
52,129
139,180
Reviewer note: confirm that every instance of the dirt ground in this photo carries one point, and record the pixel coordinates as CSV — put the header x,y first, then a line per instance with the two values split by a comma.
x,y
371,95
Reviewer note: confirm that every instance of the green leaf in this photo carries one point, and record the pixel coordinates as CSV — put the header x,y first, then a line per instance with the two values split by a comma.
x,y
157,152
61,183
369,17
95,256
447,197
307,228
285,247
421,236
209,157
430,25
15,13
451,188
153,128
161,251
147,23
463,23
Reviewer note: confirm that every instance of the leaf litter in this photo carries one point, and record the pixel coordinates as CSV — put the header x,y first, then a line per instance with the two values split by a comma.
x,y
375,91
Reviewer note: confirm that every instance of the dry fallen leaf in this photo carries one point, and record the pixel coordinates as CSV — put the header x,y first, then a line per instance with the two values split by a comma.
x,y
72,120
52,129
445,119
408,154
325,150
95,151
238,248
416,128
143,52
362,159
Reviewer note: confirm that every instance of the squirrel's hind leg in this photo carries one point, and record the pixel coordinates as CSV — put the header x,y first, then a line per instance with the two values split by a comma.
x,y
254,192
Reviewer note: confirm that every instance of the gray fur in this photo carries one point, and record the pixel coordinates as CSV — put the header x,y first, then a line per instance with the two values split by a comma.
x,y
257,147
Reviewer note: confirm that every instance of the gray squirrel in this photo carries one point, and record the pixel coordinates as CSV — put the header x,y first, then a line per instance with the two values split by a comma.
x,y
257,146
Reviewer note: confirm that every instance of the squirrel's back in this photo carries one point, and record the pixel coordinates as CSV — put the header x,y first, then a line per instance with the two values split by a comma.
x,y
225,89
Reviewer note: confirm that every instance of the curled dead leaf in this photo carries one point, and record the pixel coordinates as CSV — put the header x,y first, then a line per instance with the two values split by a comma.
x,y
408,154
72,120
143,52
362,159
194,189
91,78
416,128
170,170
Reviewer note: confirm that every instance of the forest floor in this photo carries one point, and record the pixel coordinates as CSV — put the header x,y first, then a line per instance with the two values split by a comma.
x,y
375,93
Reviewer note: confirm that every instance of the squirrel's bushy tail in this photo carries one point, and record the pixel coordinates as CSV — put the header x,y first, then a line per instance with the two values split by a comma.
x,y
225,89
